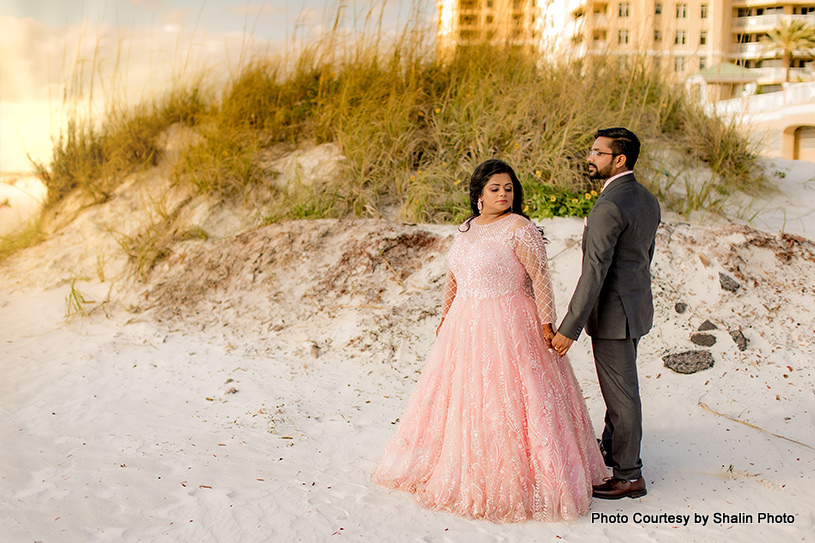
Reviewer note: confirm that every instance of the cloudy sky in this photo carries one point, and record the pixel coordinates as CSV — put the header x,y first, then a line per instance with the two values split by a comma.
x,y
130,49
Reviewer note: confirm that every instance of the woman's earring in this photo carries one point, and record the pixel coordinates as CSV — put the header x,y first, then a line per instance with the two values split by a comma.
x,y
480,205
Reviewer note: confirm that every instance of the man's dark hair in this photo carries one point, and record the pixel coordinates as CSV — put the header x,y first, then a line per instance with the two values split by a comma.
x,y
624,142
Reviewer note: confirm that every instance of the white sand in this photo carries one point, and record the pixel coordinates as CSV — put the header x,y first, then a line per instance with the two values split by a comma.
x,y
245,392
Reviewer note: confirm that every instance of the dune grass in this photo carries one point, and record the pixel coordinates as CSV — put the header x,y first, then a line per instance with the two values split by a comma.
x,y
412,127
27,235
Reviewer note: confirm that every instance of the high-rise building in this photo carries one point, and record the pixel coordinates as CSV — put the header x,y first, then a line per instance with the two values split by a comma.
x,y
680,36
521,24
686,36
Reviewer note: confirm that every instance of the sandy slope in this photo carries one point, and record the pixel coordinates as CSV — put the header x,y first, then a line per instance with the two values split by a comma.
x,y
245,391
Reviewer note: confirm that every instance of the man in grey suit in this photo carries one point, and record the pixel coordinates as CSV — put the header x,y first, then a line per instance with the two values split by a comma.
x,y
613,300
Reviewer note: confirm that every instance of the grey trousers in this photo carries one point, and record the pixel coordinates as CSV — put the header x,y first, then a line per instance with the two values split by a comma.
x,y
616,363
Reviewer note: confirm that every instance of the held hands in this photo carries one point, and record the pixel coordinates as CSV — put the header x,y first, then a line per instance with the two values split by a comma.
x,y
561,344
548,334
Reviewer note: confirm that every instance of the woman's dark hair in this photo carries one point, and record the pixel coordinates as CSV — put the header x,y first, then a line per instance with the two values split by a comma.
x,y
479,180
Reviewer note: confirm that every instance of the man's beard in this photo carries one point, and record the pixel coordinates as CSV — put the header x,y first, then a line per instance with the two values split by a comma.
x,y
597,173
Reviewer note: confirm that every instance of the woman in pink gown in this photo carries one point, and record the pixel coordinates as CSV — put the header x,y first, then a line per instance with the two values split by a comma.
x,y
496,427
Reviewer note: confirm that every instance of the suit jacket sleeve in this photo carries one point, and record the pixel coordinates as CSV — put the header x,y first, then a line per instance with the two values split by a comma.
x,y
603,228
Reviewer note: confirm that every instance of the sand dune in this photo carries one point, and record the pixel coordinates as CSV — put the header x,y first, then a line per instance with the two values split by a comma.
x,y
244,390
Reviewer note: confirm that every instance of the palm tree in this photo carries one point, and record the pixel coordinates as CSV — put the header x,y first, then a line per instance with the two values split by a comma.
x,y
791,37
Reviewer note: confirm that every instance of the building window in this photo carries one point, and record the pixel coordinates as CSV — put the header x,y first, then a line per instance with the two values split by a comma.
x,y
703,38
490,3
658,9
623,12
657,35
679,63
598,35
622,37
702,63
681,11
467,20
490,19
681,37
516,4
704,11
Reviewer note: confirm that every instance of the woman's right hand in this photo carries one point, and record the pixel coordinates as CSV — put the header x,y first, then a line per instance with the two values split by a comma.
x,y
548,334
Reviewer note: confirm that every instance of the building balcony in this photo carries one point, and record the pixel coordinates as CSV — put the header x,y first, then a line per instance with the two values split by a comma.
x,y
769,76
756,51
763,23
751,50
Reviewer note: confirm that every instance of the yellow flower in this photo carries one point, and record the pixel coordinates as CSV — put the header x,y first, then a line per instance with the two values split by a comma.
x,y
438,110
588,196
526,208
538,173
517,145
594,193
574,200
419,172
413,178
457,181
444,164
553,198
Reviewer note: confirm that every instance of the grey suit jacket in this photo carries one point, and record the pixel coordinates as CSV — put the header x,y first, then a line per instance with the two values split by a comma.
x,y
613,295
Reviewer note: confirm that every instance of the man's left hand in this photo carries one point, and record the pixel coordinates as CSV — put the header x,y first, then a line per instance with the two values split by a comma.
x,y
561,344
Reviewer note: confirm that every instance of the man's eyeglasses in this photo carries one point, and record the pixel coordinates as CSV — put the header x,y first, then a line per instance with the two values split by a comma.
x,y
596,153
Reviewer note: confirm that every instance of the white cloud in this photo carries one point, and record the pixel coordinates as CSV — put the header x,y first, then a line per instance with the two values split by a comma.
x,y
97,65
100,64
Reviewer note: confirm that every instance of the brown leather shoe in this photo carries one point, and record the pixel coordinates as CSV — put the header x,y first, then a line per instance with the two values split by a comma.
x,y
614,489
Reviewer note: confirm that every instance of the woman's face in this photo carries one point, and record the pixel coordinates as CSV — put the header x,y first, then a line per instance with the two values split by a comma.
x,y
496,198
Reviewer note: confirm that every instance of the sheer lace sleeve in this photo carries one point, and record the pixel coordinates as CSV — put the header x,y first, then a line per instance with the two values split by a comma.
x,y
449,293
531,251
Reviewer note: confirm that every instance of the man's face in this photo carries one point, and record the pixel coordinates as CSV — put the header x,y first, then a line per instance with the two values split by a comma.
x,y
603,162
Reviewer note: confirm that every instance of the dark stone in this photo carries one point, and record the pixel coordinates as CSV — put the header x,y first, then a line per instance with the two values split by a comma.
x,y
689,361
705,340
728,283
739,339
680,307
707,325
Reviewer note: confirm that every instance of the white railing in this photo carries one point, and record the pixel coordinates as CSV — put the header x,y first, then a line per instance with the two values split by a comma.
x,y
776,75
794,94
768,22
754,49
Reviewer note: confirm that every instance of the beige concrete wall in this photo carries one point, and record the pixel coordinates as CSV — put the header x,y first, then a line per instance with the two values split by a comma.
x,y
779,135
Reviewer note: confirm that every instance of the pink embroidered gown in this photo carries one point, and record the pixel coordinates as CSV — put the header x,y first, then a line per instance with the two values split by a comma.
x,y
496,426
